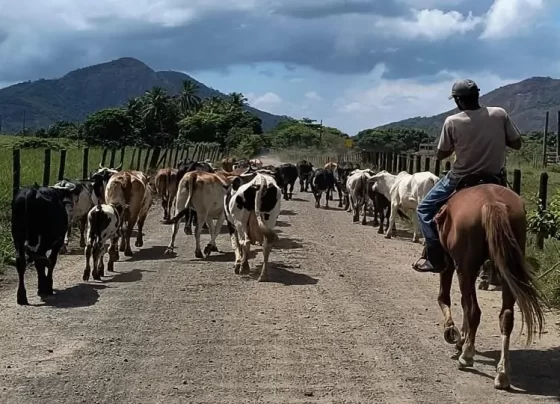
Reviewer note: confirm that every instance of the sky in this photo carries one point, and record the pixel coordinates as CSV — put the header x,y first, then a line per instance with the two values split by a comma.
x,y
354,64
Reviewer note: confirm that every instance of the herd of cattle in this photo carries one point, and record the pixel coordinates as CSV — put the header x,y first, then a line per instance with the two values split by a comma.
x,y
246,194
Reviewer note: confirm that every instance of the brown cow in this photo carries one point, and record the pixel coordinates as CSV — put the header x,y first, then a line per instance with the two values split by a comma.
x,y
330,166
166,187
132,195
227,164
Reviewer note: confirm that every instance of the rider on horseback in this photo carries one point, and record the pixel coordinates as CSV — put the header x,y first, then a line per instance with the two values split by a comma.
x,y
478,136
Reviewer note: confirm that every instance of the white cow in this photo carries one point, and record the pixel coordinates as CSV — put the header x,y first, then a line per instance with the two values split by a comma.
x,y
104,223
405,192
251,213
357,186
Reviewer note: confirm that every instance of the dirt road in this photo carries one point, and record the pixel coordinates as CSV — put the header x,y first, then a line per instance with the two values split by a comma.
x,y
345,320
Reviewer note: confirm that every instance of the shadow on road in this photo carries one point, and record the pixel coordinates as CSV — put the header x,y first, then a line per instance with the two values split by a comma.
x,y
228,256
280,223
125,277
299,200
81,295
287,212
286,243
151,253
281,273
534,371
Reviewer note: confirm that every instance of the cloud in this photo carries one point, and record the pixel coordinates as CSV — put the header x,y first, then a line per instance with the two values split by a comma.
x,y
507,18
313,96
265,101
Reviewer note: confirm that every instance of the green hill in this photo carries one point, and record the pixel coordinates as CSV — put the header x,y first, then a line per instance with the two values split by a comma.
x,y
82,91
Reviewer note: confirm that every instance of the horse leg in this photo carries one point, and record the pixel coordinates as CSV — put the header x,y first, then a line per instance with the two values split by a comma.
x,y
506,326
471,311
450,331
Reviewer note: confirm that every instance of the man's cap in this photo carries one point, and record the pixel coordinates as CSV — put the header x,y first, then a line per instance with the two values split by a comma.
x,y
464,87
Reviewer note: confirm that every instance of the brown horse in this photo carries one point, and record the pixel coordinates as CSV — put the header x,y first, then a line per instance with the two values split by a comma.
x,y
483,222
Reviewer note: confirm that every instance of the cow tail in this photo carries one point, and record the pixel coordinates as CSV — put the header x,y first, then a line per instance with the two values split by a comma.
x,y
190,188
269,234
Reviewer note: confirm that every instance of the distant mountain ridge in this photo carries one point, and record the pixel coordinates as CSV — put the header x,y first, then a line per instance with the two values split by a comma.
x,y
526,101
82,91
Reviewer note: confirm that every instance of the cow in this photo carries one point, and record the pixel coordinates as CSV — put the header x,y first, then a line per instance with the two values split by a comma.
x,y
251,213
322,180
341,173
100,178
166,187
203,193
404,191
227,164
81,204
104,223
357,188
305,170
132,196
286,175
330,166
257,163
187,167
39,224
382,208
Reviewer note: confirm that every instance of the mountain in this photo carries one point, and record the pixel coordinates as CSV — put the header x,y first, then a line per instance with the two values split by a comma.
x,y
526,101
83,91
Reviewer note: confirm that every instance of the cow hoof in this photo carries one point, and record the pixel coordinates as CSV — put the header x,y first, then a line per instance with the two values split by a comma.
x,y
188,232
82,243
380,231
483,285
215,249
168,250
96,277
85,277
245,268
207,250
317,206
122,248
198,254
263,278
501,382
22,301
237,268
128,253
388,236
64,249
465,362
139,243
376,222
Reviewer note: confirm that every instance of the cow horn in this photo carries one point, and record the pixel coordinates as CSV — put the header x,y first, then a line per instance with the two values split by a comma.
x,y
100,166
119,166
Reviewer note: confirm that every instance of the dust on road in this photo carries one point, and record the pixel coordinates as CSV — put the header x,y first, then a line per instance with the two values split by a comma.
x,y
344,320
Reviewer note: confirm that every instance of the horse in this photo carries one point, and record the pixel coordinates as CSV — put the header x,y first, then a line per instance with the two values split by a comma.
x,y
484,220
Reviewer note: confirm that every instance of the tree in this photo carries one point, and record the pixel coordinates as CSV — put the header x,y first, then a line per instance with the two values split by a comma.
x,y
392,140
109,127
237,99
189,101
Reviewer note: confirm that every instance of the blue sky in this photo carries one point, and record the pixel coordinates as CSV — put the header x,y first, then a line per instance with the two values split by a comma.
x,y
353,63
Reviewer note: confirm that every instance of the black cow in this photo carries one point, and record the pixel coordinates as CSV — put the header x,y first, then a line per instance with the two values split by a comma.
x,y
39,224
341,174
382,207
184,167
322,181
286,174
305,171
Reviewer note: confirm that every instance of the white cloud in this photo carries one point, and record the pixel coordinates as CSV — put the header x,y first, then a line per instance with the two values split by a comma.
x,y
432,24
268,101
313,96
507,18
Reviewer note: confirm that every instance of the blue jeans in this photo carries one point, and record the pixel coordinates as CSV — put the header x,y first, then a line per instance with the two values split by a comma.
x,y
431,204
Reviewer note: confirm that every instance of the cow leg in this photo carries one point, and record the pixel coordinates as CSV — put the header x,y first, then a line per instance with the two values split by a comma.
x,y
291,189
347,207
139,236
165,206
235,245
129,226
82,226
21,267
53,258
64,248
285,191
100,264
113,254
41,278
381,213
95,273
301,184
245,244
394,208
339,189
197,230
326,198
214,231
364,219
87,271
266,253
124,231
415,228
355,210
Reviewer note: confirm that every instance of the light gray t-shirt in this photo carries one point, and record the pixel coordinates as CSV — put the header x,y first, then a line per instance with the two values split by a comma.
x,y
478,139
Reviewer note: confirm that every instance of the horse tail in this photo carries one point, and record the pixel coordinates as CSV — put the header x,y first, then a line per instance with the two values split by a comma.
x,y
508,257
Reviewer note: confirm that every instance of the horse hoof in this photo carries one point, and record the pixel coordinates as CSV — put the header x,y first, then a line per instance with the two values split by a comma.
x,y
501,382
465,362
198,254
452,335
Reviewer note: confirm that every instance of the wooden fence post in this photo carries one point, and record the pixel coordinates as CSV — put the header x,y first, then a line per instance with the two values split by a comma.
x,y
85,163
437,167
47,168
543,192
395,163
62,165
427,164
176,157
517,181
410,164
123,151
187,157
104,157
112,159
147,159
545,140
131,164
418,164
139,159
16,171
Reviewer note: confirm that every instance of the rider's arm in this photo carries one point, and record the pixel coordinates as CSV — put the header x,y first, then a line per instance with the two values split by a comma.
x,y
446,145
513,134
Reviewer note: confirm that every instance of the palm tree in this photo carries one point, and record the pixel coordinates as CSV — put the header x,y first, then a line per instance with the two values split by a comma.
x,y
214,104
188,98
237,99
156,104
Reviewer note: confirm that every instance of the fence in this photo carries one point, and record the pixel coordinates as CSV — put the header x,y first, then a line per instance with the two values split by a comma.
x,y
139,159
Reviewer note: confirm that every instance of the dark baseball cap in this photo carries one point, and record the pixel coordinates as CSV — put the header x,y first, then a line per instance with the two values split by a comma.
x,y
464,87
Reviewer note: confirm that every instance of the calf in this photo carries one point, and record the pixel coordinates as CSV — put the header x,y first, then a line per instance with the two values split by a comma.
x,y
287,174
203,193
39,224
166,187
305,170
322,181
104,223
357,187
404,191
81,204
251,213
